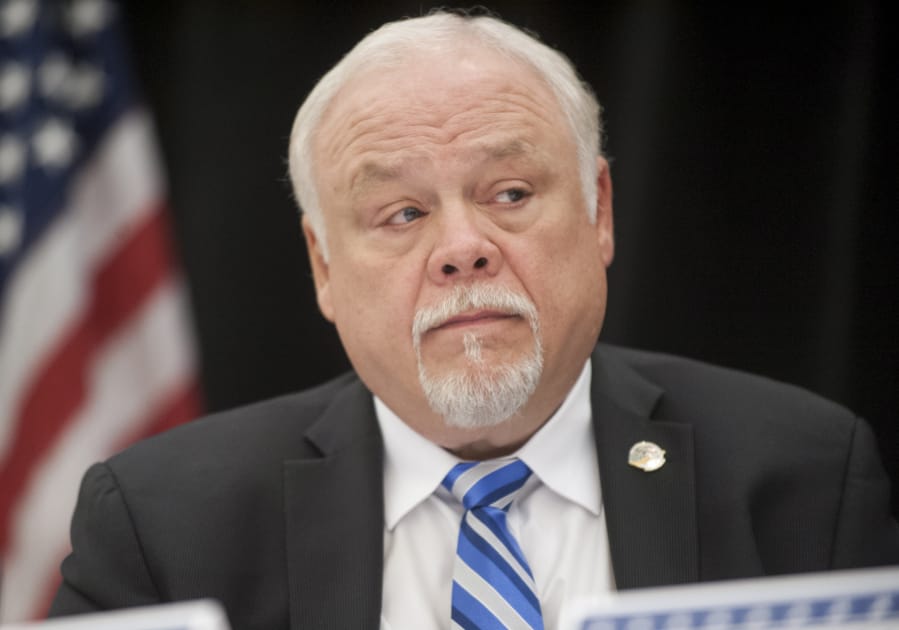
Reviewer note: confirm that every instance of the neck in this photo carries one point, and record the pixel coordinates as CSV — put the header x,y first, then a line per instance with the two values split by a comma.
x,y
495,441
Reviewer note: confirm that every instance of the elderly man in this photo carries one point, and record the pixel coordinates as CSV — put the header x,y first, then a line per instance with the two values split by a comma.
x,y
486,463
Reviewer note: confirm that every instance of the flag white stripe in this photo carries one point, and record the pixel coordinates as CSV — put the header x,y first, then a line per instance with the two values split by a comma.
x,y
147,362
49,290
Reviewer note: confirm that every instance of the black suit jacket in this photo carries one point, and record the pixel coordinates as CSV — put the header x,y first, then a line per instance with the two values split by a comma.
x,y
277,509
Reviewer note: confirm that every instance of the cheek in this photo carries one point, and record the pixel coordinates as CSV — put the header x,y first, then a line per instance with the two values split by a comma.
x,y
373,302
562,271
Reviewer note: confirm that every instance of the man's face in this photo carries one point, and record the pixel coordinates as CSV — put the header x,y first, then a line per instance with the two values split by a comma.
x,y
441,176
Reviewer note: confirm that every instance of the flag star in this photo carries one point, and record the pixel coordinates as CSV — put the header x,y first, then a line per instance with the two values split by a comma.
x,y
11,229
54,144
12,159
86,17
15,83
53,74
85,86
76,86
17,17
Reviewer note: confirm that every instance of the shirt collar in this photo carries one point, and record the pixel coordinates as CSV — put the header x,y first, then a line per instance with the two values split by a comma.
x,y
413,465
561,454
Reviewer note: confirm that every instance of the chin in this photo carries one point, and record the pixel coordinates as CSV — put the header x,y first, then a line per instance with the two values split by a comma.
x,y
482,394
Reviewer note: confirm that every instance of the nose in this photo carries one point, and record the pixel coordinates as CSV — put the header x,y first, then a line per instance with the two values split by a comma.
x,y
463,250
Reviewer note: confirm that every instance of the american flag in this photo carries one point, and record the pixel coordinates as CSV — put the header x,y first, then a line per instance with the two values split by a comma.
x,y
95,350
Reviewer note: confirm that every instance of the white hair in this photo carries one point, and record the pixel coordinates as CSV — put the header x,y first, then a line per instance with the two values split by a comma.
x,y
390,46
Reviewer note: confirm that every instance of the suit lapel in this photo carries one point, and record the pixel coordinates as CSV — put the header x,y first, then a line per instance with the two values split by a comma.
x,y
334,510
651,516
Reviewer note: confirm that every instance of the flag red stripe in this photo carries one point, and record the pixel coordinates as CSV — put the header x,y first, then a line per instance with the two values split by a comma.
x,y
121,285
181,406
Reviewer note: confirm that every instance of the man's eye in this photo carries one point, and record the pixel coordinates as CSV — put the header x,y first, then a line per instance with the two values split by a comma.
x,y
406,215
513,195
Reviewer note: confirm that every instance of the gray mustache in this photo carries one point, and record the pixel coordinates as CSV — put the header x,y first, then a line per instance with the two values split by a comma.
x,y
466,298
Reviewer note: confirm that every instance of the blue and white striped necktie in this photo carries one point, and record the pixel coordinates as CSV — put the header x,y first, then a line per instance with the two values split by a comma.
x,y
492,583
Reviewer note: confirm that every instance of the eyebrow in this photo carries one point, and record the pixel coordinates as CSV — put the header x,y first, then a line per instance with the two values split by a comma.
x,y
378,171
511,148
372,173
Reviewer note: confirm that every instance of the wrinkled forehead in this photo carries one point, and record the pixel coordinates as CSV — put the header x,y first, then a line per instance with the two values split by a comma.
x,y
436,95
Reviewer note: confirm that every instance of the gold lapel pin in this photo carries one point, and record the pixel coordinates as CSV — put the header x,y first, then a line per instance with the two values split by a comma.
x,y
646,456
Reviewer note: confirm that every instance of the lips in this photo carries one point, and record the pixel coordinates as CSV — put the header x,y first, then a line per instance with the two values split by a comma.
x,y
465,319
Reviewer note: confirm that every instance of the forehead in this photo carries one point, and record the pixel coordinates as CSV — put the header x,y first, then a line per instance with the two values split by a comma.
x,y
473,101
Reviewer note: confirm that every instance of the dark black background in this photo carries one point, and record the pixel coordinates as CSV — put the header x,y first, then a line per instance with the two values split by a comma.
x,y
754,162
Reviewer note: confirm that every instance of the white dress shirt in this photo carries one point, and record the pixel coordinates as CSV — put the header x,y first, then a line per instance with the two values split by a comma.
x,y
557,518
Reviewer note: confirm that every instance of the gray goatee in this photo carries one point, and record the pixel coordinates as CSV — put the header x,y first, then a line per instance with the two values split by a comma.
x,y
479,395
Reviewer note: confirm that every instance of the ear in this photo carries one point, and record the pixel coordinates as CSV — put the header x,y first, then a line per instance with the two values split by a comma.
x,y
605,228
320,271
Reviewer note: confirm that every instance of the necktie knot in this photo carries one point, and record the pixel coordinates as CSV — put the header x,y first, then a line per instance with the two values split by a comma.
x,y
493,483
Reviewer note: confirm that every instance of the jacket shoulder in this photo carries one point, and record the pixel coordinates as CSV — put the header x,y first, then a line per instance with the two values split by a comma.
x,y
785,480
694,389
270,430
